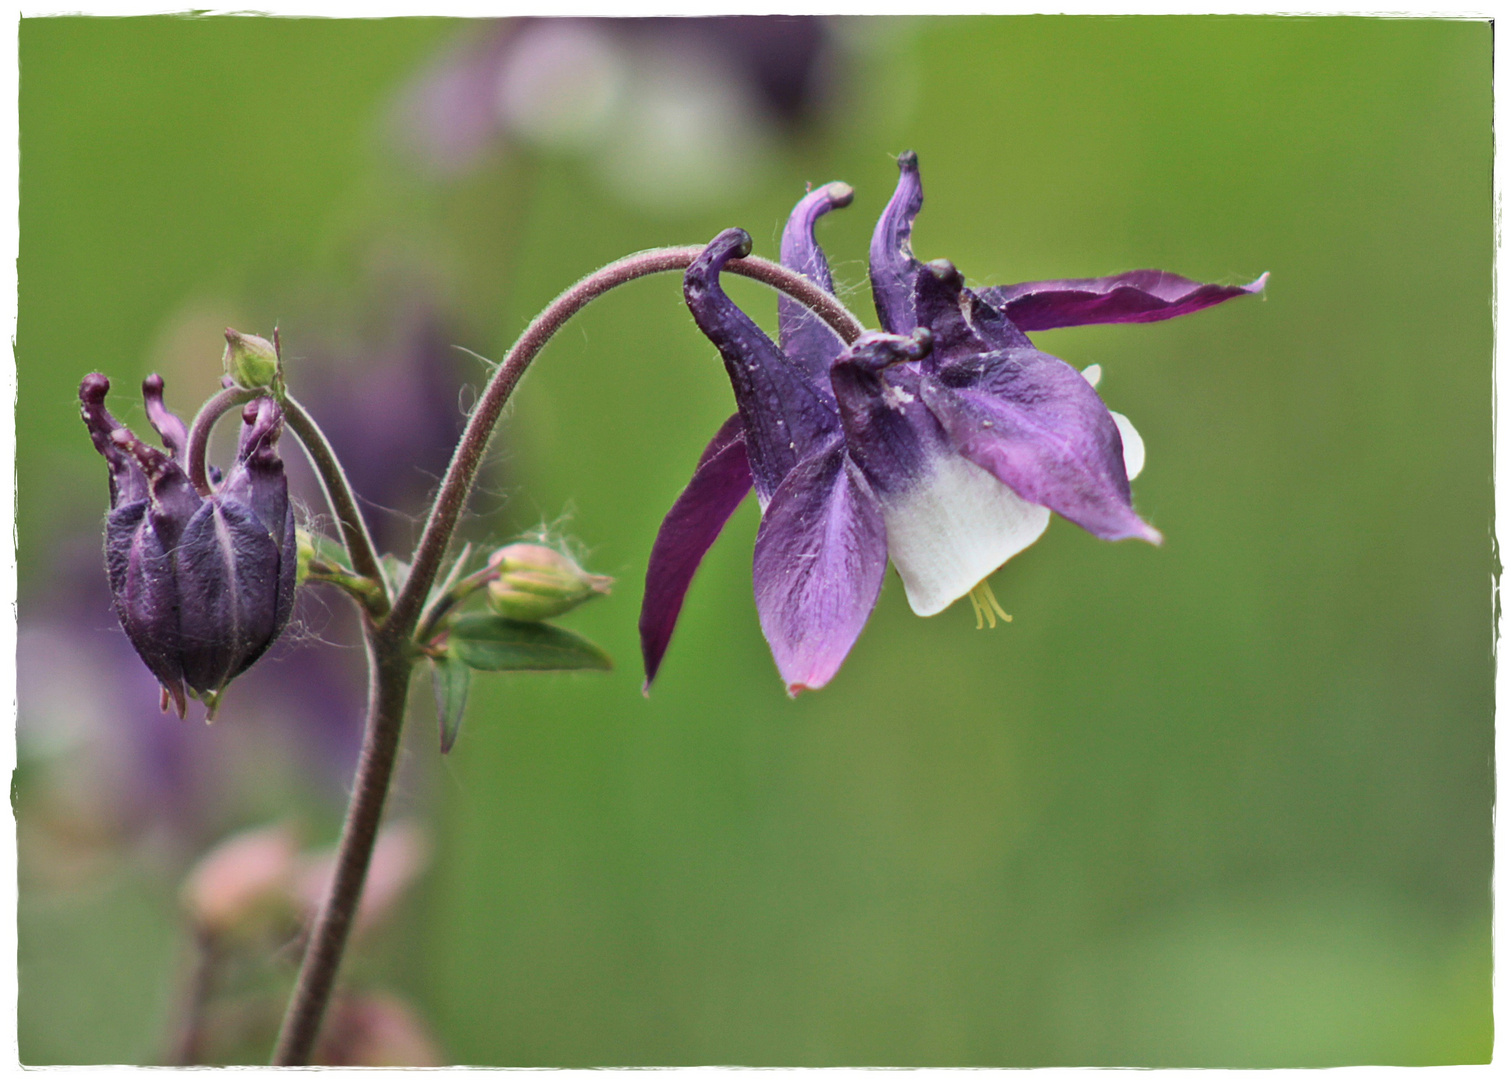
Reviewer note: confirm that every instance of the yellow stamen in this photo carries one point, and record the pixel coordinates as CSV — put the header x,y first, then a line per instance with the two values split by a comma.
x,y
985,603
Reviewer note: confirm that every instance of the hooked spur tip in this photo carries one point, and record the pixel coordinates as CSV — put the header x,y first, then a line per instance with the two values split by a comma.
x,y
907,161
945,271
93,389
840,194
729,244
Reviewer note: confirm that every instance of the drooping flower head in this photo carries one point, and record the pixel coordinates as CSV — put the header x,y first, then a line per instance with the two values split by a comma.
x,y
202,586
942,442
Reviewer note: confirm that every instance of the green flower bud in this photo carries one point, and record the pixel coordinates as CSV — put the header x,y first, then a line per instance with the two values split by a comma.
x,y
536,582
249,360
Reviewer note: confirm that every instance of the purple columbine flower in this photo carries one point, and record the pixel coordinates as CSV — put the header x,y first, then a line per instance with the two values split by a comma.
x,y
202,586
943,441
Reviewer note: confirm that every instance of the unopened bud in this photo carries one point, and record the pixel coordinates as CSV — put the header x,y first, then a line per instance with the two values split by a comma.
x,y
250,361
536,582
243,880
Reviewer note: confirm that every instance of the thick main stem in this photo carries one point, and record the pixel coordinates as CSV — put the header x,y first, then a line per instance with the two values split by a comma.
x,y
391,665
389,643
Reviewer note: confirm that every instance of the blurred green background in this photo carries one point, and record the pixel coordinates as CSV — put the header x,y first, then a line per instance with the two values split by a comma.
x,y
1225,803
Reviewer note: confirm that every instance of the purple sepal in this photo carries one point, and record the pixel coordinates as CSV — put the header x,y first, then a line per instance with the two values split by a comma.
x,y
719,484
820,557
1139,296
893,267
784,416
807,340
1035,423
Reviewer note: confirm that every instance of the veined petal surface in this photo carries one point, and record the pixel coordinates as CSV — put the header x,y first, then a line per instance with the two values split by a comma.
x,y
820,557
1035,424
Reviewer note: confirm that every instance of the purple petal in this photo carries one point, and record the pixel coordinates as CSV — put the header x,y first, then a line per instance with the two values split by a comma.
x,y
785,417
1135,297
720,482
175,436
257,478
820,557
128,484
806,339
893,267
145,592
258,481
227,566
1035,424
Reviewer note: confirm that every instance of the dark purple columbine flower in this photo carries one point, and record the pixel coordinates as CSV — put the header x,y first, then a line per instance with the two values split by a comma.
x,y
202,586
942,442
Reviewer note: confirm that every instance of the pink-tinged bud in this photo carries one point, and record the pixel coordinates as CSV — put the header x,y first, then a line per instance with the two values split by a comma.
x,y
243,881
202,586
536,582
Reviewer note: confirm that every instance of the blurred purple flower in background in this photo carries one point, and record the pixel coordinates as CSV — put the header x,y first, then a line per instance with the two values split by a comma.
x,y
670,111
942,443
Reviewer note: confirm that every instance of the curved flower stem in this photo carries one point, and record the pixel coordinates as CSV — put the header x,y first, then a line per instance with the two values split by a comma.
x,y
390,664
390,648
469,451
199,432
338,494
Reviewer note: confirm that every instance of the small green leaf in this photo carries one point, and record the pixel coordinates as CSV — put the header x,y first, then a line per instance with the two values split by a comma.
x,y
450,679
492,643
328,550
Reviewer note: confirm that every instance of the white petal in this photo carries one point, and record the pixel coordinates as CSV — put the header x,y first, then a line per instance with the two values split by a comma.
x,y
1133,445
954,527
1093,374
